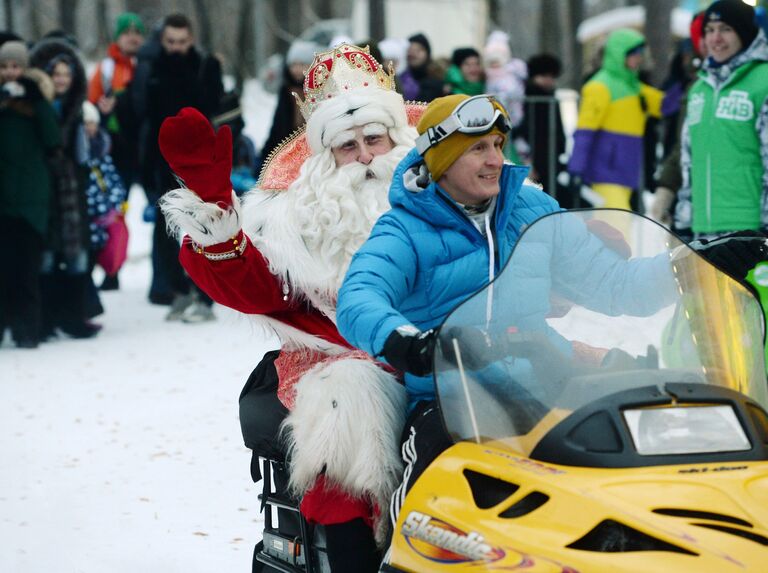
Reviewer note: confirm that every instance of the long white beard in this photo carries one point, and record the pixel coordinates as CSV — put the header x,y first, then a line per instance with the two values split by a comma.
x,y
309,233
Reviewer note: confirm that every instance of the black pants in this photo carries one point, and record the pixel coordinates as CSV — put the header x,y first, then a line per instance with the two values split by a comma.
x,y
20,299
350,545
424,438
166,250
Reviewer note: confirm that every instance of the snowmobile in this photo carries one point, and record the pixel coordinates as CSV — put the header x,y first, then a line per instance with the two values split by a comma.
x,y
610,418
623,434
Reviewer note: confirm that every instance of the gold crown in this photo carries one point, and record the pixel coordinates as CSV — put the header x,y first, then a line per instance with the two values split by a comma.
x,y
343,68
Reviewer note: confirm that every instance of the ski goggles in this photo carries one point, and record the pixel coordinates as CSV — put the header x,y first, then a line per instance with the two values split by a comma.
x,y
475,115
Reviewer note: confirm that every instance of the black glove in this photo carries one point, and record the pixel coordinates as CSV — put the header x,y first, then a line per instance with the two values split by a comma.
x,y
410,350
735,254
474,345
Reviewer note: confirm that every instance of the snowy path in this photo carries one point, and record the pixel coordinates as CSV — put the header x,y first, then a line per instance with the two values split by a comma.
x,y
124,453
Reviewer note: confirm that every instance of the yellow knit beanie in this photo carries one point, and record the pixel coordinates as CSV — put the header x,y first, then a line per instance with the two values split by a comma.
x,y
441,156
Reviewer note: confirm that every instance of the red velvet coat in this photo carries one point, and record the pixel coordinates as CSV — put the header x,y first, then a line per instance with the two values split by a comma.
x,y
246,285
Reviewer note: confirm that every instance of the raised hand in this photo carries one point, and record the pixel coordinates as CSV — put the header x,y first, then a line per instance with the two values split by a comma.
x,y
199,156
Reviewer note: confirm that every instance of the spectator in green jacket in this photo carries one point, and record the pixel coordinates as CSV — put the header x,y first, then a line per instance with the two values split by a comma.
x,y
28,132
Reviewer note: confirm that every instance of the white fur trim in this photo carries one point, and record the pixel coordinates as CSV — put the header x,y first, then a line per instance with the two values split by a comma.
x,y
206,223
347,420
358,107
291,338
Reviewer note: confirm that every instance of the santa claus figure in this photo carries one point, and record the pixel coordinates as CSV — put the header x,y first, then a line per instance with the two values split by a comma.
x,y
281,253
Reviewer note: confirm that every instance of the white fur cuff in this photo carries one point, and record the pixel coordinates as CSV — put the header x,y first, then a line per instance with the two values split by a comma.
x,y
206,223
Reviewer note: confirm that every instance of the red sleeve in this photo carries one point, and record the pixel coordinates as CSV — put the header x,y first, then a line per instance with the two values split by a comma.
x,y
243,282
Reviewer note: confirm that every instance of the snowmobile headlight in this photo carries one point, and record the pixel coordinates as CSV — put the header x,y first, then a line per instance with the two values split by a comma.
x,y
686,430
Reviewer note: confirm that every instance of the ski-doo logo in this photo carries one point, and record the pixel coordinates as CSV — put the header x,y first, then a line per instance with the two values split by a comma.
x,y
439,541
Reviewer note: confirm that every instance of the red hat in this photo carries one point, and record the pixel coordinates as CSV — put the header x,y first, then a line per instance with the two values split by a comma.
x,y
697,31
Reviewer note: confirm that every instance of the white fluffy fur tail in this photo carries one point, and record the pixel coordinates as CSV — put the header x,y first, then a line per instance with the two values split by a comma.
x,y
347,420
206,223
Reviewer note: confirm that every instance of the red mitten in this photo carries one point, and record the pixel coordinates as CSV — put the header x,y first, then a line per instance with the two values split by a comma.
x,y
201,157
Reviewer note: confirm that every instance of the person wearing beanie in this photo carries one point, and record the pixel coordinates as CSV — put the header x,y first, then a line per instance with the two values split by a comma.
x,y
725,133
608,142
280,256
465,74
115,71
457,213
29,133
287,117
107,90
14,52
422,79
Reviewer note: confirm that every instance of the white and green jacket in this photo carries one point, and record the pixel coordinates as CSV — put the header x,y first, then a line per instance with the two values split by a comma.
x,y
724,146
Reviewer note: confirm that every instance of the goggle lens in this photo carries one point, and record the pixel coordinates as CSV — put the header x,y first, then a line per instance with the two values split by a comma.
x,y
476,113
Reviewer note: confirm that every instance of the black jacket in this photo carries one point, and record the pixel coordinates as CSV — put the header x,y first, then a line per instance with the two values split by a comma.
x,y
177,81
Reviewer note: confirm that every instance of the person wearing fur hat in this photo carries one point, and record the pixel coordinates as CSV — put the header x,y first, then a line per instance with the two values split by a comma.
x,y
280,254
541,109
28,133
457,212
69,297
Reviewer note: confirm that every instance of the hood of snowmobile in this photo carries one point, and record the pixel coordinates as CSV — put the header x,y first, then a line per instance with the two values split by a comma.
x,y
479,508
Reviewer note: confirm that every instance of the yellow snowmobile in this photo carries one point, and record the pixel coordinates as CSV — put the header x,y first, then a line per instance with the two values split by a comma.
x,y
584,439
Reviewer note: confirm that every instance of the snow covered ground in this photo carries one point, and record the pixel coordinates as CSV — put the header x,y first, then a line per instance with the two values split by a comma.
x,y
124,453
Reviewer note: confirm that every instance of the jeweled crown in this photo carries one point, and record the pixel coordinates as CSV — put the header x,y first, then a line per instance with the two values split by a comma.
x,y
343,68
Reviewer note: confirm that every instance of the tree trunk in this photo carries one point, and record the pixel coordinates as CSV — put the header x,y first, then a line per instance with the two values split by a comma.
x,y
150,11
575,70
658,37
244,64
203,24
549,27
324,9
8,7
103,25
494,13
376,20
67,10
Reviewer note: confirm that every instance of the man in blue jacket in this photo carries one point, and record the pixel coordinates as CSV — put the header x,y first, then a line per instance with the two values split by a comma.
x,y
457,212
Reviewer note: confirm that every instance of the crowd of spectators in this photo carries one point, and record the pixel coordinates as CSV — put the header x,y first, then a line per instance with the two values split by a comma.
x,y
76,145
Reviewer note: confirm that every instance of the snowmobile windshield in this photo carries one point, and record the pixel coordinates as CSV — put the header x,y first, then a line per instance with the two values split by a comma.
x,y
591,303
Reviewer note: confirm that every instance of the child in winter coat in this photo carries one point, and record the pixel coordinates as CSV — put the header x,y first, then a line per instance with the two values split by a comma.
x,y
105,192
504,75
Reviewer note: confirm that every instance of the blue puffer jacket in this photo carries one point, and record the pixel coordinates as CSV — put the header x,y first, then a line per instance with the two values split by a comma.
x,y
425,256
